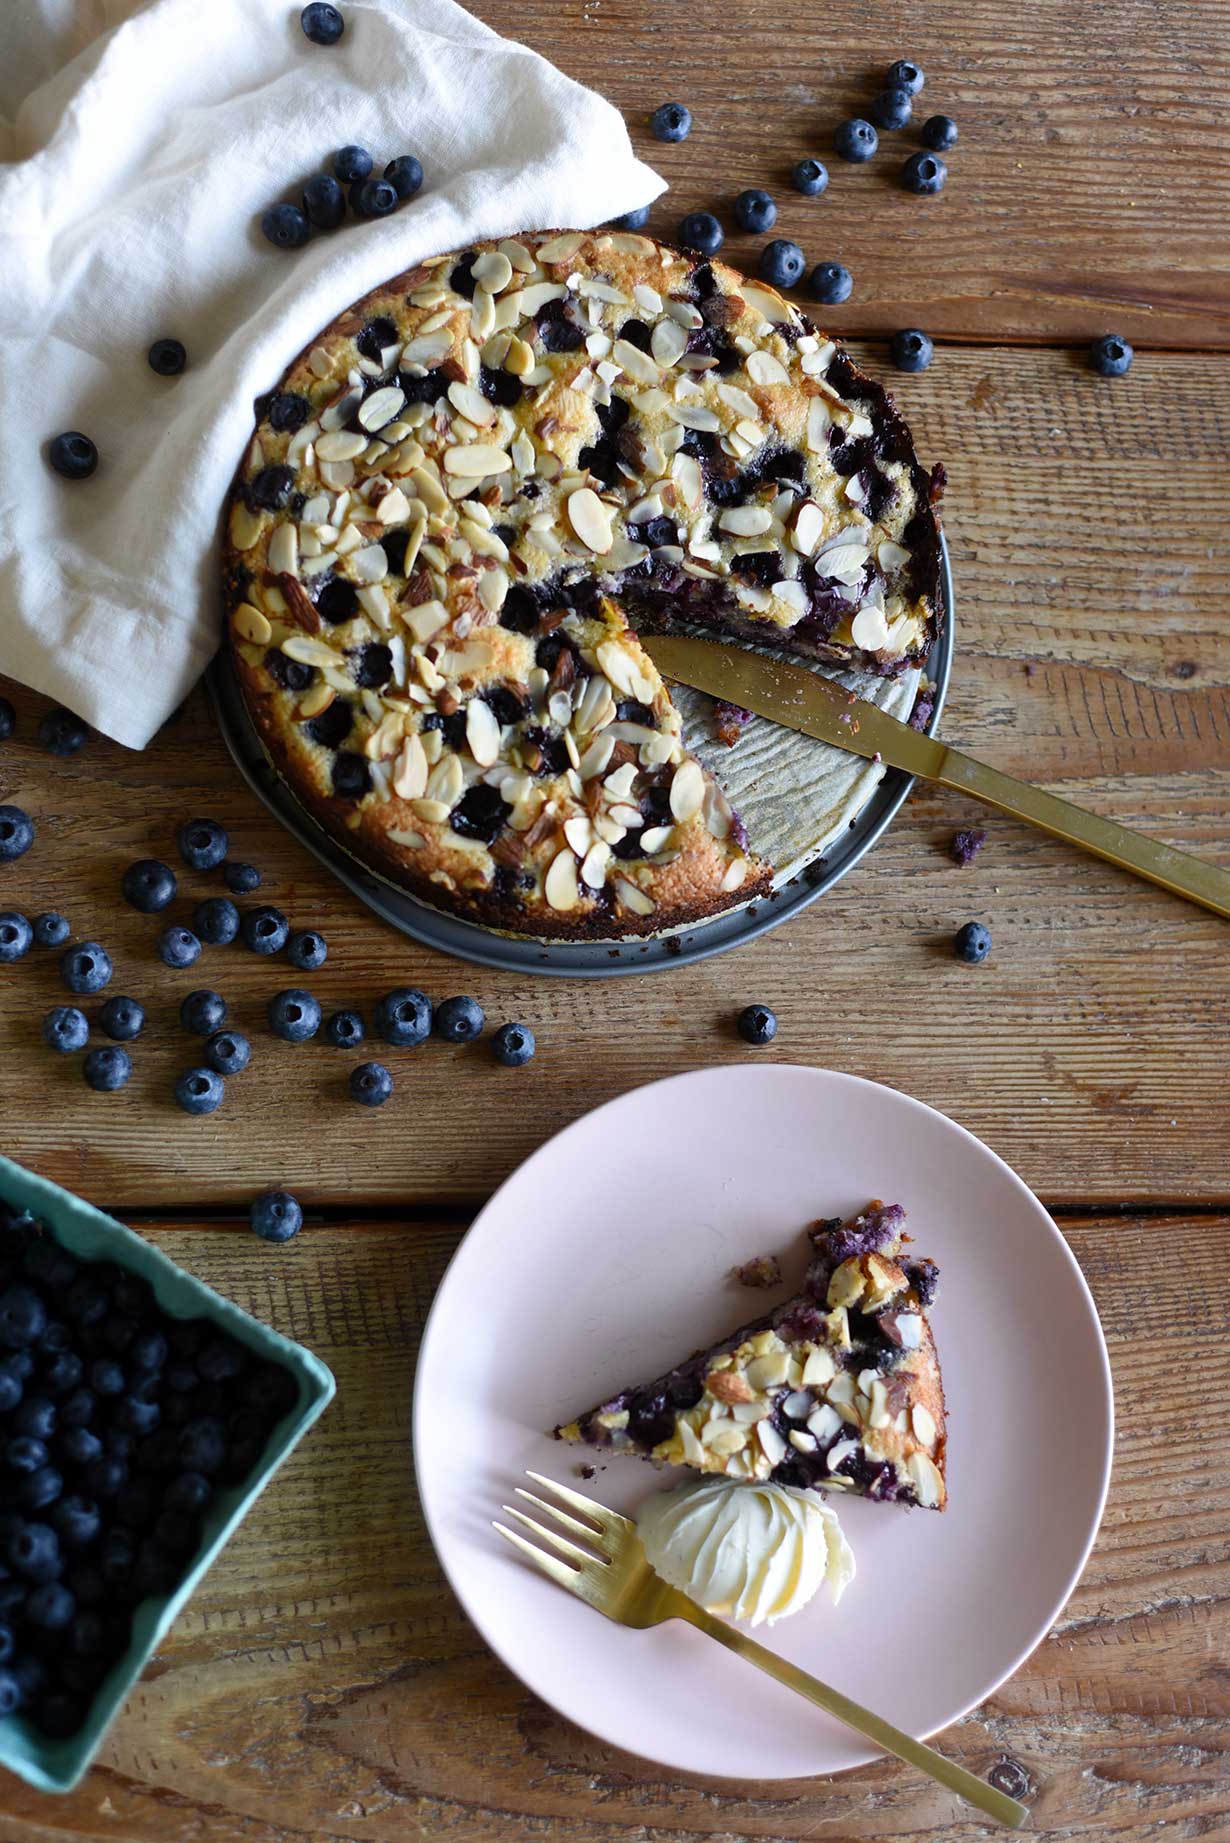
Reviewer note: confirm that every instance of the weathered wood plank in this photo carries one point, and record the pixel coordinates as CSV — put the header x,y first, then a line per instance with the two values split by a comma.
x,y
324,1684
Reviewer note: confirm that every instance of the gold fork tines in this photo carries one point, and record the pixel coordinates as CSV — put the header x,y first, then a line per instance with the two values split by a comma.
x,y
601,1559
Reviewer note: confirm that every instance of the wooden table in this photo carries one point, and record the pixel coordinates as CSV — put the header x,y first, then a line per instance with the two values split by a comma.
x,y
323,1683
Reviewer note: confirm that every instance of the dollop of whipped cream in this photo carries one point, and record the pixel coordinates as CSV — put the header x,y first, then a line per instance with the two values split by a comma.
x,y
749,1551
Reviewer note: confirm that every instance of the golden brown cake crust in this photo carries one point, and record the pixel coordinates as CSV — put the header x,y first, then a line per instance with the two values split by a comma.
x,y
448,505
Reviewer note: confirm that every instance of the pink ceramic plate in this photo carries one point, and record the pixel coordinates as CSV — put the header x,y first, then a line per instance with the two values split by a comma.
x,y
604,1259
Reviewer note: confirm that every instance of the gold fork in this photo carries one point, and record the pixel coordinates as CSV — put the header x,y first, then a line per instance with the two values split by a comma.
x,y
612,1574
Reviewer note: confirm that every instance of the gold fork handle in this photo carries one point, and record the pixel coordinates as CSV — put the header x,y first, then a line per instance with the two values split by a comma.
x,y
1176,871
974,1790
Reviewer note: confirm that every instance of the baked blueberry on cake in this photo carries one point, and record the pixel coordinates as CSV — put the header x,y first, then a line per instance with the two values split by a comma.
x,y
458,498
838,1388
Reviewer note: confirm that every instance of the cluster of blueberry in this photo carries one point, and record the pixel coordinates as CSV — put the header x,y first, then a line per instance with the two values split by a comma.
x,y
857,139
118,1426
353,181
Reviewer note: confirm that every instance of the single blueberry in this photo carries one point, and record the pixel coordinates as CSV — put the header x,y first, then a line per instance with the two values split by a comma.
x,y
241,879
215,921
294,1015
135,1416
61,731
906,75
343,1029
671,121
167,357
830,283
38,1489
202,844
405,175
370,1084
1111,355
924,174
271,488
513,1045
892,108
63,1372
16,833
288,411
23,1317
700,231
275,1216
755,211
856,140
757,1024
106,1376
376,198
458,1020
781,263
50,1608
85,968
78,1445
202,1445
972,943
229,1052
322,23
16,936
810,177
25,1453
77,1409
148,1352
632,220
178,947
351,163
8,719
939,132
307,950
403,1017
911,350
107,1068
51,929
200,1091
148,885
324,201
264,930
285,226
33,1552
122,1019
188,1494
36,1416
73,455
203,1012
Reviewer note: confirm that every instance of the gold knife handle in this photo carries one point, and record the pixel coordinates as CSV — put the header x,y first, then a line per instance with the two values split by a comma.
x,y
975,1791
1176,871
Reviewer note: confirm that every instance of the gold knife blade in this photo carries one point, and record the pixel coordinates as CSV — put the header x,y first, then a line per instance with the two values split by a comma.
x,y
807,701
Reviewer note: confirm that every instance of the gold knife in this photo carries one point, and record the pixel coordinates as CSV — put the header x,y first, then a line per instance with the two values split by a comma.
x,y
818,706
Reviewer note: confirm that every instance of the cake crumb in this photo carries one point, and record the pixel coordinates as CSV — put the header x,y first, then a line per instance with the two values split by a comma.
x,y
729,721
764,1271
966,845
587,1471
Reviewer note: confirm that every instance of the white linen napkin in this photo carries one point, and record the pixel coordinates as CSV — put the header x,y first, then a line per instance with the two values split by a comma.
x,y
143,140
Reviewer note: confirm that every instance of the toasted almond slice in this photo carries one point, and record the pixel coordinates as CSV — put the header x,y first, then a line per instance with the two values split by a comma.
x,y
493,271
427,349
250,624
340,445
381,407
735,875
410,774
560,249
560,886
631,898
589,518
891,556
765,370
471,404
746,521
693,416
928,1480
475,460
594,866
519,359
923,1422
808,528
307,651
245,526
393,508
771,1443
316,698
493,587
839,1453
434,811
687,790
482,732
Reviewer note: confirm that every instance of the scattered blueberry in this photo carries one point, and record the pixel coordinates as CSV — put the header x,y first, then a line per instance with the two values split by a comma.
x,y
85,968
376,198
294,1015
16,833
632,220
122,1019
307,950
700,231
856,140
276,1216
781,263
830,283
1110,355
215,921
405,175
755,211
924,174
66,1029
905,75
241,879
264,930
911,350
458,1020
513,1045
178,947
16,934
51,929
403,1017
939,132
757,1024
73,455
229,1052
62,732
322,23
324,201
107,1068
286,226
149,885
200,1091
8,716
892,108
343,1029
203,1013
810,177
167,357
370,1084
972,943
352,163
202,844
671,121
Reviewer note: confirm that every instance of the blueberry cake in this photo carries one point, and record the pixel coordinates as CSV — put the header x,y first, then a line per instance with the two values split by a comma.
x,y
837,1388
459,499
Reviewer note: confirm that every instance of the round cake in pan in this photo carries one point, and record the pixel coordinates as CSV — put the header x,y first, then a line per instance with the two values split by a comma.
x,y
458,504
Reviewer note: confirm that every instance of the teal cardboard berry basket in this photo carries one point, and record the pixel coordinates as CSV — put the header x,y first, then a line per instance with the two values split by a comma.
x,y
56,1765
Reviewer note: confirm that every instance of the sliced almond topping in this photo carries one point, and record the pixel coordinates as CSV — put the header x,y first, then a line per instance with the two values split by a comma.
x,y
771,1443
250,624
770,307
693,1451
245,526
735,875
808,528
426,483
404,835
724,1437
315,700
493,271
655,839
426,620
535,297
825,1422
307,651
560,249
693,416
560,887
427,348
471,404
802,1442
728,1386
928,1481
767,1371
631,898
686,472
869,629
369,564
923,1422
482,732
579,832
746,521
818,421
590,519
891,556
393,508
410,774
838,1454
519,358
434,811
381,407
340,445
765,370
687,790
594,867
639,366
819,1368
475,460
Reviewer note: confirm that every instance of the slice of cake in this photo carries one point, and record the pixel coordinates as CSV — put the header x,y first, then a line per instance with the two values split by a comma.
x,y
838,1388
